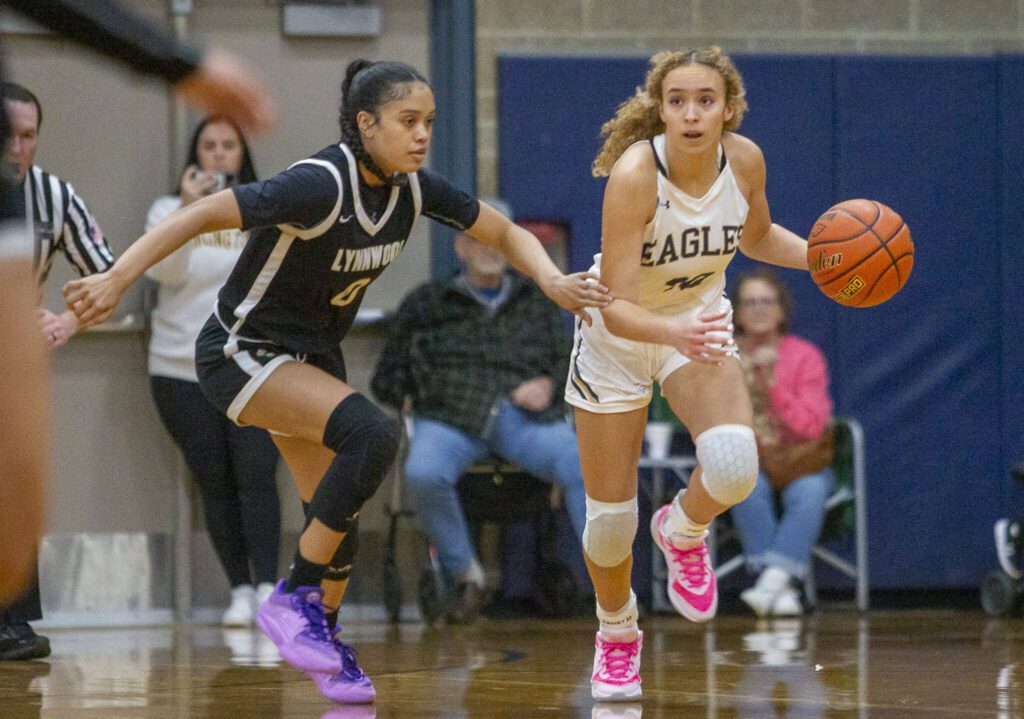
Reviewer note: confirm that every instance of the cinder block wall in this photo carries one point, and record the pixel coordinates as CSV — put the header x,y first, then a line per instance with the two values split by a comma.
x,y
641,27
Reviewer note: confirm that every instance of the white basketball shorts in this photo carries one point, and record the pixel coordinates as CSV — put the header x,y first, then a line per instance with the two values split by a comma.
x,y
608,373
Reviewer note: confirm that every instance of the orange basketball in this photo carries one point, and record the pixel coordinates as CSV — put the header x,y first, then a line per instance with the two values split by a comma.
x,y
860,253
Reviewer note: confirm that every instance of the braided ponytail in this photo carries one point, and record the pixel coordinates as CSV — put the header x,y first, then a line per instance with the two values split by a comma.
x,y
366,87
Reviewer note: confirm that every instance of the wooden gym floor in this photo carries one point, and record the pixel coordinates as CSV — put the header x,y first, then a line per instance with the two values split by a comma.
x,y
906,664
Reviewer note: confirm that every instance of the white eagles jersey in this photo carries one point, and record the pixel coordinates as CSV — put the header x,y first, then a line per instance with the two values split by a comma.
x,y
690,241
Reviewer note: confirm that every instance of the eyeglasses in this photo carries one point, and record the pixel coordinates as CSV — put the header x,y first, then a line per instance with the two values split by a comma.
x,y
759,301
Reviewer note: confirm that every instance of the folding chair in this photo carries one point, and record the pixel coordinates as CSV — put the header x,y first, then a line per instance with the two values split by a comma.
x,y
845,512
491,490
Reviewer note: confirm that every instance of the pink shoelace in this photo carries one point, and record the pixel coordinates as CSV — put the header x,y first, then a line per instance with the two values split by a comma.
x,y
690,562
616,660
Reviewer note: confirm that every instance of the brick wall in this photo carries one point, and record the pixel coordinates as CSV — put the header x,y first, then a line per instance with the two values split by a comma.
x,y
917,27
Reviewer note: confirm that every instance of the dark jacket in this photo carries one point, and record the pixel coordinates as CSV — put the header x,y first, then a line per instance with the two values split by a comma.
x,y
455,357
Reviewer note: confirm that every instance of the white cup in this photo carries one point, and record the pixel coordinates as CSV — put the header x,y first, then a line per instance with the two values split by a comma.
x,y
659,439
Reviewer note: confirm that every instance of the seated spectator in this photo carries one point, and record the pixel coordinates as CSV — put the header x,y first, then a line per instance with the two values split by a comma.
x,y
788,381
479,357
234,467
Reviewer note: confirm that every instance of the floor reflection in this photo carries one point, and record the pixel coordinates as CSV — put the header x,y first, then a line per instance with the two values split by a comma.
x,y
776,670
617,711
251,648
354,712
908,665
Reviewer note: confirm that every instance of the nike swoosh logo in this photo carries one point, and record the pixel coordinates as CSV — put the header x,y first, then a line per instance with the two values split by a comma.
x,y
700,602
343,219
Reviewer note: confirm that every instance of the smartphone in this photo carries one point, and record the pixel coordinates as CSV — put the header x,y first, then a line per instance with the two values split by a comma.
x,y
223,180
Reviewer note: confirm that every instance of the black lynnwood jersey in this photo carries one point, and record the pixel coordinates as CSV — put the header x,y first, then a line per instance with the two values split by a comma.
x,y
317,243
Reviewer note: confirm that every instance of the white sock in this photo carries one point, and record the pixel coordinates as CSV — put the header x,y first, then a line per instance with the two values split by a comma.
x,y
682,531
619,626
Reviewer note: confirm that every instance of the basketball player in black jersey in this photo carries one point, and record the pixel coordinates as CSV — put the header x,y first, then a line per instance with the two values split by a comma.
x,y
269,356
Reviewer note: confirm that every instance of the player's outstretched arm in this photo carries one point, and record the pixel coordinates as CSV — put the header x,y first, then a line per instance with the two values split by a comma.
x,y
574,292
213,81
93,299
780,247
222,86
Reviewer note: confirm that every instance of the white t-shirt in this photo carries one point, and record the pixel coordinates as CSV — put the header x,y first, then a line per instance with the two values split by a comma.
x,y
189,280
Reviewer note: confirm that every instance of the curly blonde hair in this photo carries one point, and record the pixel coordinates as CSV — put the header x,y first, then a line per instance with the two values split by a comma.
x,y
638,118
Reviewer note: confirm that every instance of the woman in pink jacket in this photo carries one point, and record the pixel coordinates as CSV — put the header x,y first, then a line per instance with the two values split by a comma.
x,y
788,381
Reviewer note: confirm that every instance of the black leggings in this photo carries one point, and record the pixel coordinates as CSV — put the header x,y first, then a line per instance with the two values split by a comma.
x,y
234,468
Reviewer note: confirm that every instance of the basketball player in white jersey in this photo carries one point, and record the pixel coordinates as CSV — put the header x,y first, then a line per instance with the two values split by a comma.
x,y
684,194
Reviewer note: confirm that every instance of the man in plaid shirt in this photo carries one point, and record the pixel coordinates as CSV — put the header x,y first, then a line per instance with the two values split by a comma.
x,y
478,357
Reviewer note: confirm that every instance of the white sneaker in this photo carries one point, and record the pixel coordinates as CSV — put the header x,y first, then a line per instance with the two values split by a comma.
x,y
772,595
242,643
616,676
263,592
1007,536
787,604
691,587
240,613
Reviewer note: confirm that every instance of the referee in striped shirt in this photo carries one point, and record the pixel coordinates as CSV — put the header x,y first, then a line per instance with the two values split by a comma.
x,y
56,217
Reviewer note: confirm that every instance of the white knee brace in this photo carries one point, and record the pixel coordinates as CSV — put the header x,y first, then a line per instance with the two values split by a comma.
x,y
728,458
608,535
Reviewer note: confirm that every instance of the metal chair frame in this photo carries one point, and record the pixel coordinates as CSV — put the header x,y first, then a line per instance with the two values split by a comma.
x,y
854,492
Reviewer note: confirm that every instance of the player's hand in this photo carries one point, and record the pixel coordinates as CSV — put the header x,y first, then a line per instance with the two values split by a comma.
x,y
56,329
706,339
93,299
578,291
533,395
221,85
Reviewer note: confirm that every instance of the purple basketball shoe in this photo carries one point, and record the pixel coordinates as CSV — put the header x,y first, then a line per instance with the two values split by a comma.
x,y
350,685
296,623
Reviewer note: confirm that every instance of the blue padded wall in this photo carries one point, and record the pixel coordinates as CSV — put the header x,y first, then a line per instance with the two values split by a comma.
x,y
935,375
792,119
548,138
922,370
1011,138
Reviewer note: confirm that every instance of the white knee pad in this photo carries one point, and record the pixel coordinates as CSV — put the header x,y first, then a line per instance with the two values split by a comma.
x,y
728,458
608,535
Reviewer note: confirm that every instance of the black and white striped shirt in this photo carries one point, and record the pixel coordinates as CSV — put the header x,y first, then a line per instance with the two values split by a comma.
x,y
59,220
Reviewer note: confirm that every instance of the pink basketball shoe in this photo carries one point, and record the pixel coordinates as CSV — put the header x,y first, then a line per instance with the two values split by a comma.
x,y
691,580
616,676
296,623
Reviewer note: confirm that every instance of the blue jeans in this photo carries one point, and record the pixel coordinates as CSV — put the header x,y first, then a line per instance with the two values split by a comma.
x,y
771,540
439,454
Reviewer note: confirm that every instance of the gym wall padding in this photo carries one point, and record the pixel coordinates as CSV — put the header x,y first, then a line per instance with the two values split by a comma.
x,y
935,375
1011,139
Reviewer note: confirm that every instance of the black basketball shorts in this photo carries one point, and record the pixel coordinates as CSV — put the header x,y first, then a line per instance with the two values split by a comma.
x,y
232,367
